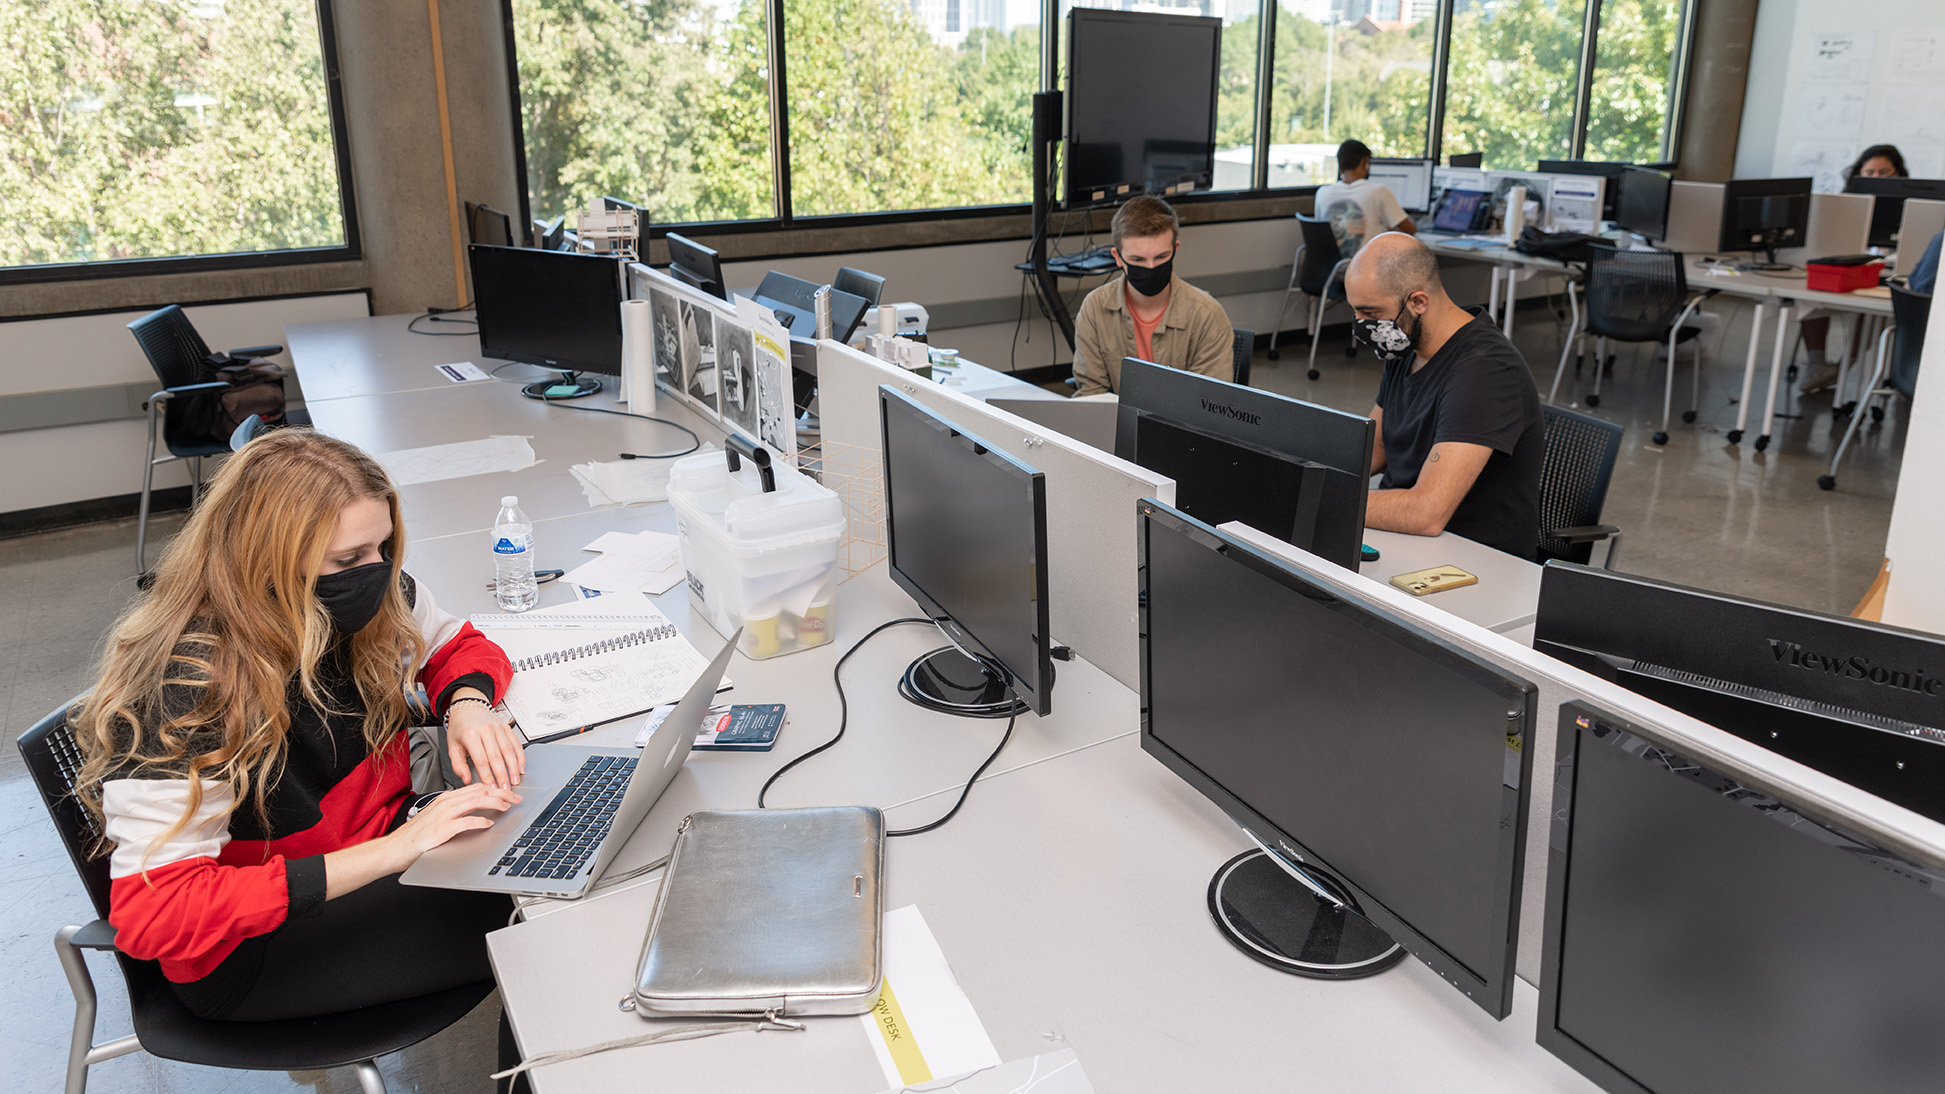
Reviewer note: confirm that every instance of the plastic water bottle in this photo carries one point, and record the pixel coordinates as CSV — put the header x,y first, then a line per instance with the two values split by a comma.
x,y
513,558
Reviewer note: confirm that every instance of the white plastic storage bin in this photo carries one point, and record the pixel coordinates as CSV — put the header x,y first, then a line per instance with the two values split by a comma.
x,y
762,560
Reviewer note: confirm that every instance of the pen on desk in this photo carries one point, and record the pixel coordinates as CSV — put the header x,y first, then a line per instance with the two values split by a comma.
x,y
561,736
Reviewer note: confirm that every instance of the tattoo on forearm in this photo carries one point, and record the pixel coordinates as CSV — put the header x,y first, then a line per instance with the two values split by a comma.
x,y
1433,458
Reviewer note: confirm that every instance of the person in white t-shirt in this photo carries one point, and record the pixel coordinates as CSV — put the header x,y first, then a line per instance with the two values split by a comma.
x,y
1356,207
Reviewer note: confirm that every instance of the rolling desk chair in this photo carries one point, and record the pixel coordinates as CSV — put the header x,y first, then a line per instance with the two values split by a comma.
x,y
180,358
1574,476
164,1027
1318,272
1910,312
1635,296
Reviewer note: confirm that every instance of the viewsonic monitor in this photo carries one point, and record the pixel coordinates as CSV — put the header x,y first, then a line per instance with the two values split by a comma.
x,y
966,533
1709,933
1296,470
1382,770
1141,103
1859,701
555,309
695,265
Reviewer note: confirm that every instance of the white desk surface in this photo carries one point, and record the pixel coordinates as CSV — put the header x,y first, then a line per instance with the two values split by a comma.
x,y
1070,898
378,356
1508,592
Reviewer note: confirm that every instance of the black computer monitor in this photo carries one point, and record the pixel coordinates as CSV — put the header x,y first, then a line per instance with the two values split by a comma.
x,y
1643,202
1887,212
556,309
1707,931
489,226
618,205
1610,205
1141,103
1466,159
1764,215
966,535
1410,181
794,302
1385,765
1224,444
696,266
1859,701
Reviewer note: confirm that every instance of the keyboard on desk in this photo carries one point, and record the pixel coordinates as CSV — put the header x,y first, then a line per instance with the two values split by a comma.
x,y
569,830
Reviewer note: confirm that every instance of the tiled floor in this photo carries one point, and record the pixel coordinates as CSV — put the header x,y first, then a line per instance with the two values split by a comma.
x,y
1698,511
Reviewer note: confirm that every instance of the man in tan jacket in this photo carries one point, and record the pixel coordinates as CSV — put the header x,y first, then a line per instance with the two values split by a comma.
x,y
1148,312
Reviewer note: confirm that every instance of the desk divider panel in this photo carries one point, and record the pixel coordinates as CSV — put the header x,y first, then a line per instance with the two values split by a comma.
x,y
1560,683
1840,224
1091,499
1694,218
1922,220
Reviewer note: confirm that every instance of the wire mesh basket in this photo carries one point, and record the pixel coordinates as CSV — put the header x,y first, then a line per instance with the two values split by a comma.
x,y
855,474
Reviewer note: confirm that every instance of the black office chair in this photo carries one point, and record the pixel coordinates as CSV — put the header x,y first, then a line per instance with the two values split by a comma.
x,y
1318,272
1636,296
1574,476
1240,349
163,1026
180,358
859,283
1896,371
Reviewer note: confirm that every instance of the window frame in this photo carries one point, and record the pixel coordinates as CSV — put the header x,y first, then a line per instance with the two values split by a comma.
x,y
351,250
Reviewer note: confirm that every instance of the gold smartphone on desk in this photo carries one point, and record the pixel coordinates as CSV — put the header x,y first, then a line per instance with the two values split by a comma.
x,y
1435,580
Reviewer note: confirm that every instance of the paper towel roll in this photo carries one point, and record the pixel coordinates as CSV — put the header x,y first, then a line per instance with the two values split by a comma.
x,y
637,356
1515,213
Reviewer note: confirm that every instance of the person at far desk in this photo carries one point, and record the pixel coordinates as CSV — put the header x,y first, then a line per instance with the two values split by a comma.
x,y
1879,161
1357,208
1460,437
1148,312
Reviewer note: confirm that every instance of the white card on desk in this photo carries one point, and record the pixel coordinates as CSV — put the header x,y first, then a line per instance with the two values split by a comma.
x,y
923,1025
462,372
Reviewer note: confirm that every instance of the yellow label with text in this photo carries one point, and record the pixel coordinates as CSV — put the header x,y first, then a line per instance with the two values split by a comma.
x,y
898,1038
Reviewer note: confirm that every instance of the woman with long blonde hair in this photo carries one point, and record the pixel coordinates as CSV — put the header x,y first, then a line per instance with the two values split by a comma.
x,y
246,749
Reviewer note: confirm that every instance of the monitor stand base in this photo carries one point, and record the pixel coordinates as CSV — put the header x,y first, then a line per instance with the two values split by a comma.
x,y
949,681
567,386
1270,916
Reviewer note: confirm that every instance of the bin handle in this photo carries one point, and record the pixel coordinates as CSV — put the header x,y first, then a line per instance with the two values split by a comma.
x,y
737,443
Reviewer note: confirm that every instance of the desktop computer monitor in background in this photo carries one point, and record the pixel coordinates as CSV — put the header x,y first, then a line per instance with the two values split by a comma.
x,y
1887,211
1295,470
1466,159
1410,181
696,266
1711,933
1643,202
966,535
1141,103
1858,701
1610,171
1764,215
555,309
1382,769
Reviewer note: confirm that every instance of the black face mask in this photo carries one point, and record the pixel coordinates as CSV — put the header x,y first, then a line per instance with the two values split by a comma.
x,y
352,597
1150,280
1386,339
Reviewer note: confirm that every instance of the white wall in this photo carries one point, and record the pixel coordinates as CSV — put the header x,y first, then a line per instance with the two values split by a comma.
x,y
1914,596
1799,120
103,459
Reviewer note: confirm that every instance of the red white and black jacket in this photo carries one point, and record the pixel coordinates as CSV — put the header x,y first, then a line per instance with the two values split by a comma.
x,y
189,900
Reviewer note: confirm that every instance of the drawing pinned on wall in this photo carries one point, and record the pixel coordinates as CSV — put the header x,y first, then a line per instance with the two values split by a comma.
x,y
668,343
1823,161
776,410
736,372
1912,116
1832,113
696,334
1926,163
1917,55
1840,56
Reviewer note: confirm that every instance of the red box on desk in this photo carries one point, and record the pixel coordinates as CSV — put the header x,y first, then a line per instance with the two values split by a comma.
x,y
1825,277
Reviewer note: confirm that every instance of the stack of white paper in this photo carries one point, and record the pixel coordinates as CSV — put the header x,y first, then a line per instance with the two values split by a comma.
x,y
637,562
612,483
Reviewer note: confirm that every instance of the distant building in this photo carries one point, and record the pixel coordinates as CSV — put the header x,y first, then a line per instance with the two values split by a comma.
x,y
949,21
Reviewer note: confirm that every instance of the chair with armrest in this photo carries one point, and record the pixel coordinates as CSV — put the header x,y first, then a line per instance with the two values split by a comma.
x,y
1896,371
164,1027
859,283
1318,272
1636,296
1574,476
182,362
1240,350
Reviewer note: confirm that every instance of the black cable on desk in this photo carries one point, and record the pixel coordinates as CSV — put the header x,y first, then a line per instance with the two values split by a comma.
x,y
843,720
695,445
437,317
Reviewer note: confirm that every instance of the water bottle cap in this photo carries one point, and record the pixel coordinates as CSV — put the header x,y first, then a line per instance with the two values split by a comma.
x,y
509,501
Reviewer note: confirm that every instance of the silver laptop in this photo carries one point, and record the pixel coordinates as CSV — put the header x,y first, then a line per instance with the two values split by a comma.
x,y
1088,421
578,806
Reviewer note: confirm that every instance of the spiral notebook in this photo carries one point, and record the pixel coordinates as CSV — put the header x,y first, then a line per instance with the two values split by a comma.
x,y
563,691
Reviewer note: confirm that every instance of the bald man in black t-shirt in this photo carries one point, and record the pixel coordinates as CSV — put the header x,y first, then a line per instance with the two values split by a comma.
x,y
1460,437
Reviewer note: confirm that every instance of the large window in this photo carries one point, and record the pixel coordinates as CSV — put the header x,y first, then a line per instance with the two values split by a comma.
x,y
914,106
164,129
1634,81
1339,78
1511,83
662,104
909,104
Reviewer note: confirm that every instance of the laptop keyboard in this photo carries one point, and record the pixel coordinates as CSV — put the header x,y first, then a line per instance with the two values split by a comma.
x,y
562,839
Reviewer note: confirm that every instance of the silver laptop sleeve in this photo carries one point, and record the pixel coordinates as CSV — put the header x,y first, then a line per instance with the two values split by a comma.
x,y
768,911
